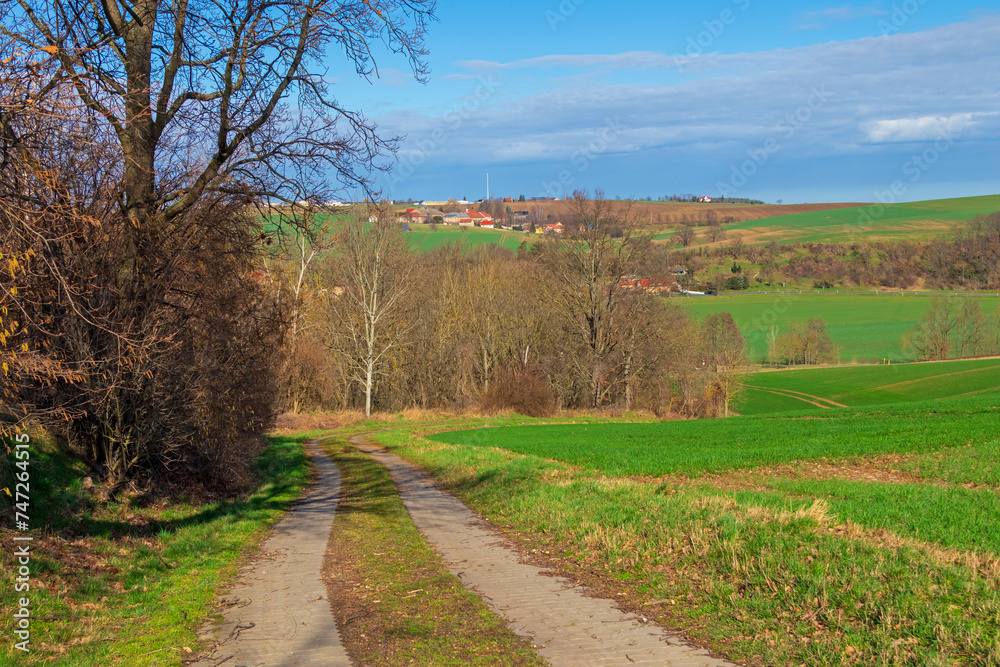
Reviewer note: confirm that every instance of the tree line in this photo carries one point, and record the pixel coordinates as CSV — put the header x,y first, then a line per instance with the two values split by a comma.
x,y
549,327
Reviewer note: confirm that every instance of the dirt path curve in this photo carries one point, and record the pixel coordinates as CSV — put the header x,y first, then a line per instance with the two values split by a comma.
x,y
568,627
278,614
818,401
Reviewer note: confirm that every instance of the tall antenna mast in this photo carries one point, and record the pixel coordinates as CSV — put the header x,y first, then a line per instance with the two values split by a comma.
x,y
487,186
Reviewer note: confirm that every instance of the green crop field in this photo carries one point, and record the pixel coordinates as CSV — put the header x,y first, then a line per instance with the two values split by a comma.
x,y
698,446
423,239
866,327
914,221
854,536
798,389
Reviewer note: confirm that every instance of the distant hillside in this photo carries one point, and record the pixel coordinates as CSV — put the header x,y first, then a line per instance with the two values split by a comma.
x,y
914,221
825,388
677,213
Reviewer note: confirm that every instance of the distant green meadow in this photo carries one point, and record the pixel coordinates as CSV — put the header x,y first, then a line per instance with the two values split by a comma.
x,y
914,221
423,239
858,386
866,327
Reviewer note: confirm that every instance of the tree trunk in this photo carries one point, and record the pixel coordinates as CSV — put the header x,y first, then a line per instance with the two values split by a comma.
x,y
138,141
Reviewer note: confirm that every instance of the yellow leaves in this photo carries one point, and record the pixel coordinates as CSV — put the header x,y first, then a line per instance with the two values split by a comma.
x,y
51,50
5,372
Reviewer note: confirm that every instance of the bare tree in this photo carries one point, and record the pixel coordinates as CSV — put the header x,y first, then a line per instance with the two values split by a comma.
x,y
736,247
376,269
684,236
930,339
971,326
717,233
601,246
291,274
134,137
196,93
725,349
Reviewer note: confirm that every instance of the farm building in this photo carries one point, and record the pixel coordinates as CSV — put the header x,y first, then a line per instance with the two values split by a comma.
x,y
655,285
424,215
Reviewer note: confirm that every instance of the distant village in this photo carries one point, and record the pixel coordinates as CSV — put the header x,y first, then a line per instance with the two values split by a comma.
x,y
522,215
516,219
503,213
495,214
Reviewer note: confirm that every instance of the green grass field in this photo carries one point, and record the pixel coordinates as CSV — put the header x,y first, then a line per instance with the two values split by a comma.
x,y
423,239
692,447
867,536
914,221
867,327
778,391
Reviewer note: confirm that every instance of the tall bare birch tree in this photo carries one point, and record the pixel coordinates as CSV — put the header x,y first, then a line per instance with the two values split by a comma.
x,y
375,269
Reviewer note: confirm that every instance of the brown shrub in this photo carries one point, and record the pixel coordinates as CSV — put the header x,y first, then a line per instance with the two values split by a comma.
x,y
524,390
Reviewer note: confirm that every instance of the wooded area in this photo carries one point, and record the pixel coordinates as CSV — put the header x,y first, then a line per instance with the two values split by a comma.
x,y
546,328
144,146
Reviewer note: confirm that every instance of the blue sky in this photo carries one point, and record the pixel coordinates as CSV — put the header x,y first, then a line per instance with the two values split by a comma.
x,y
797,101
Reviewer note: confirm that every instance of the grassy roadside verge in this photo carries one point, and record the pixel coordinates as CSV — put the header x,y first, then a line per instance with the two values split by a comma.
x,y
131,581
765,577
394,601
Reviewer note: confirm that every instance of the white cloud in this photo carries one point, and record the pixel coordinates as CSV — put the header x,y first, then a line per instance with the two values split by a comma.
x,y
924,128
630,60
821,19
881,90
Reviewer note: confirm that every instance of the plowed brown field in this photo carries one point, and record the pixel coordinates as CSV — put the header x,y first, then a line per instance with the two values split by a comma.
x,y
675,213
